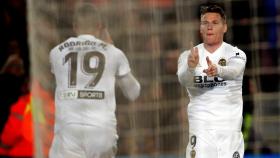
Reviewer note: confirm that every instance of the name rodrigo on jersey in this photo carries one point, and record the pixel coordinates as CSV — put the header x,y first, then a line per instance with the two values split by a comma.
x,y
82,43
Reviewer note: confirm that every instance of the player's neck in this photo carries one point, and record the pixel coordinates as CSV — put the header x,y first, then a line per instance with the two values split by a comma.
x,y
211,48
88,32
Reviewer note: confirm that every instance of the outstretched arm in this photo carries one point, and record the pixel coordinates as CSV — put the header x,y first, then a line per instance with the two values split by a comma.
x,y
129,86
105,36
235,68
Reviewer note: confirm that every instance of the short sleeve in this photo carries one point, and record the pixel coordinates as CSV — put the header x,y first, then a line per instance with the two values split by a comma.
x,y
123,65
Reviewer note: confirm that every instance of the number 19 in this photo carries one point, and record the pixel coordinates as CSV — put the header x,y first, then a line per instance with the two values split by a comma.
x,y
96,72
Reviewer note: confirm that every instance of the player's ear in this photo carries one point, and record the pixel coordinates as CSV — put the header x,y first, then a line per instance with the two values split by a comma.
x,y
225,27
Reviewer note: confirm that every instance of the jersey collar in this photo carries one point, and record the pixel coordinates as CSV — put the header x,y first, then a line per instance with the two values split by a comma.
x,y
86,36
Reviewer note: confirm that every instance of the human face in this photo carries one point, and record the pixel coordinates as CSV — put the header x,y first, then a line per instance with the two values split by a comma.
x,y
212,28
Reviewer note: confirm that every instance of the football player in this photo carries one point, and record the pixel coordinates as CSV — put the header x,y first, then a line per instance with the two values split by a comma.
x,y
212,73
86,69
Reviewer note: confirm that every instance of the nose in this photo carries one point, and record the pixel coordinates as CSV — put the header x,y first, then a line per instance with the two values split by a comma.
x,y
210,26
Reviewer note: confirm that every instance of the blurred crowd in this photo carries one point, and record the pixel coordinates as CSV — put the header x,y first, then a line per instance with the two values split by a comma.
x,y
14,79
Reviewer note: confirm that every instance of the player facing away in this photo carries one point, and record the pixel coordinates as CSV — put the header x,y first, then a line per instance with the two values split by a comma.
x,y
212,73
86,69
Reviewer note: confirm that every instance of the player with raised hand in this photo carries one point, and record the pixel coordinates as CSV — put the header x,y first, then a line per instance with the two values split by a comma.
x,y
86,69
212,72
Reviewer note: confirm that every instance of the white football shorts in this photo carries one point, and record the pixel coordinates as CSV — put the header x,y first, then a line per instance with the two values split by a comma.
x,y
215,144
84,141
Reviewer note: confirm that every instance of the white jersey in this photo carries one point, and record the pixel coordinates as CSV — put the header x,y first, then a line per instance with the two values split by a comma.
x,y
215,102
85,70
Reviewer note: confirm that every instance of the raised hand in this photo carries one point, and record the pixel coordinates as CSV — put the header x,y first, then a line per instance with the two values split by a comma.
x,y
212,68
193,58
105,35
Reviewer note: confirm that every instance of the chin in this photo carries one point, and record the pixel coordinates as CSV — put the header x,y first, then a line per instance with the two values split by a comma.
x,y
209,42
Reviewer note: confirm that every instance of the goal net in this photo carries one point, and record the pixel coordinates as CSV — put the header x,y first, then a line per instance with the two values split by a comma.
x,y
152,34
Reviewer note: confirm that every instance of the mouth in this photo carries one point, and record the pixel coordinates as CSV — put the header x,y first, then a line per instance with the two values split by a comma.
x,y
209,34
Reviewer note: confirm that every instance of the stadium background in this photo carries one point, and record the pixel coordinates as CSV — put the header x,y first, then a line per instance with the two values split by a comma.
x,y
153,33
